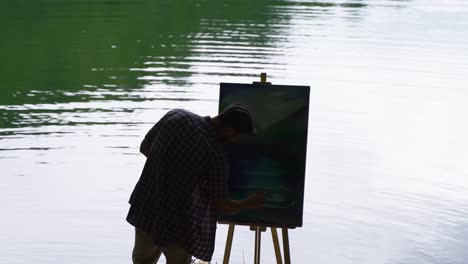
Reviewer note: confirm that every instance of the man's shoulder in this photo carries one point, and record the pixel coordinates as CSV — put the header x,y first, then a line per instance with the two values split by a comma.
x,y
176,118
182,114
184,123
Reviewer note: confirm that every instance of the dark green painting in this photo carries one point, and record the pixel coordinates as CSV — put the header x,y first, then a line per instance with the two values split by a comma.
x,y
273,161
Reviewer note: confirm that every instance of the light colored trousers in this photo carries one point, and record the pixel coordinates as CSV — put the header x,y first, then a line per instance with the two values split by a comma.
x,y
146,252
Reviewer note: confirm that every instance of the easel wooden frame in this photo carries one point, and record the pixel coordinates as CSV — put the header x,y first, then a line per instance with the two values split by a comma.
x,y
258,232
259,229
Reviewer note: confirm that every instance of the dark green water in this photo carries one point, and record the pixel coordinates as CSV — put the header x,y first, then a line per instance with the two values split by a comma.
x,y
53,51
82,81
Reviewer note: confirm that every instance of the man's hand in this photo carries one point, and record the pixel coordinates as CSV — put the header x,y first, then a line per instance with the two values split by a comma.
x,y
229,207
255,200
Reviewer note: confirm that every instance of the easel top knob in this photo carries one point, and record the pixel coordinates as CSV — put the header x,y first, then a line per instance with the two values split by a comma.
x,y
263,79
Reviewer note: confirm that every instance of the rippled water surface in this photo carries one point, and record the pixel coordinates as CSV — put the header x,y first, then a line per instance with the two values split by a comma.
x,y
82,81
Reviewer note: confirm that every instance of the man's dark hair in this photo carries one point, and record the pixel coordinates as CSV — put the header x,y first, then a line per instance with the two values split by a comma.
x,y
237,117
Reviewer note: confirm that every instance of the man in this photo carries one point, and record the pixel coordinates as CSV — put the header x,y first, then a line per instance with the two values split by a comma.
x,y
183,185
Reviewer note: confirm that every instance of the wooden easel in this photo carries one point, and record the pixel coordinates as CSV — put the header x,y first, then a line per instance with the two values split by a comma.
x,y
258,232
259,229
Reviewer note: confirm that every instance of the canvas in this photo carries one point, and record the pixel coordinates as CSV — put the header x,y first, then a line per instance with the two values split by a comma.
x,y
273,161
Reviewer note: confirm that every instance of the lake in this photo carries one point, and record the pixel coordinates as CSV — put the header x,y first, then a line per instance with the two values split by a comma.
x,y
387,163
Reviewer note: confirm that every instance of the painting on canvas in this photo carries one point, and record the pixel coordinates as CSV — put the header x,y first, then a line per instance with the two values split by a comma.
x,y
274,161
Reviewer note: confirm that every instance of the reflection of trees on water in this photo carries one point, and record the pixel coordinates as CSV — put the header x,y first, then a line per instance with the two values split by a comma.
x,y
79,51
61,46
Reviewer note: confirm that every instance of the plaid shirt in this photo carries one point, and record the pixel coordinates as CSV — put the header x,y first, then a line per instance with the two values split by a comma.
x,y
185,172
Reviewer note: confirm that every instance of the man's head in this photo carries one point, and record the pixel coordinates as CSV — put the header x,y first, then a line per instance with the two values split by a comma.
x,y
235,120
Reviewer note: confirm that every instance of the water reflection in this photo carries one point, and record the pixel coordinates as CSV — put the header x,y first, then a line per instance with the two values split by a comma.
x,y
98,42
111,50
14,149
105,51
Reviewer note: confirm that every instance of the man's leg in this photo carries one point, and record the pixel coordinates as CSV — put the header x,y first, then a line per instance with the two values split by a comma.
x,y
145,251
176,255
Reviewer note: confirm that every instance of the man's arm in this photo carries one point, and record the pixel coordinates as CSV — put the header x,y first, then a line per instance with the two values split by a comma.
x,y
145,147
230,207
147,143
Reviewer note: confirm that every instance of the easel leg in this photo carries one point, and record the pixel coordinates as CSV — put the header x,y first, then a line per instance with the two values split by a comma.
x,y
227,250
287,256
274,236
258,238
